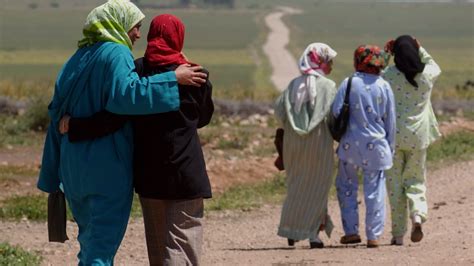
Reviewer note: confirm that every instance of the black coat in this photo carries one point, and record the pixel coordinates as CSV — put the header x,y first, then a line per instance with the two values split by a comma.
x,y
168,159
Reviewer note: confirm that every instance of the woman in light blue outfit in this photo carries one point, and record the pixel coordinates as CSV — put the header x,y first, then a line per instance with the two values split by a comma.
x,y
367,145
97,175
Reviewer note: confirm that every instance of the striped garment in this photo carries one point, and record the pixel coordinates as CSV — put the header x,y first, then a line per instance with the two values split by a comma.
x,y
309,160
111,22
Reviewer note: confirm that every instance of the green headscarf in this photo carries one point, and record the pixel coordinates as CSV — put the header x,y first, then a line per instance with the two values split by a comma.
x,y
111,22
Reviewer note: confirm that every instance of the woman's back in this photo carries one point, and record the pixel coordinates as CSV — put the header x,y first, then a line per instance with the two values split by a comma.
x,y
304,121
416,122
366,141
83,163
168,158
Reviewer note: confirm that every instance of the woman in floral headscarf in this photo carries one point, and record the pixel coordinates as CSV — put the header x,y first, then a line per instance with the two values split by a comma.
x,y
367,144
96,175
303,109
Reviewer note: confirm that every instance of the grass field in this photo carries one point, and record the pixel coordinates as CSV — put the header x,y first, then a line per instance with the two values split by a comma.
x,y
445,30
35,43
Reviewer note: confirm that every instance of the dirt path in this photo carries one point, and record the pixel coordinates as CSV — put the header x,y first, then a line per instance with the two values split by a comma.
x,y
249,238
283,63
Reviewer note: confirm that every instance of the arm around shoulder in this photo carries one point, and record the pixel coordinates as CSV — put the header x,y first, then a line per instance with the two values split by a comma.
x,y
130,94
206,106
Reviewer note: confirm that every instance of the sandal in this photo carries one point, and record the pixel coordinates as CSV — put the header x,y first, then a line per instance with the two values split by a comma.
x,y
350,239
372,244
417,233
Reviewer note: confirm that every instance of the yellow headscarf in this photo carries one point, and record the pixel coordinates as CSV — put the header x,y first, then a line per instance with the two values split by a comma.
x,y
111,22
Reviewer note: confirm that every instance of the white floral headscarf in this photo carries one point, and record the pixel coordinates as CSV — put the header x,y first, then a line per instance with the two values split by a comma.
x,y
111,22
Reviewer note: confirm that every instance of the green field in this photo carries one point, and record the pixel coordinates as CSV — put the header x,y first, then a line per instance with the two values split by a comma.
x,y
445,30
35,42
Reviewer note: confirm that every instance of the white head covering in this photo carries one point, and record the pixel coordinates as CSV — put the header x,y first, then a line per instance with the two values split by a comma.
x,y
311,64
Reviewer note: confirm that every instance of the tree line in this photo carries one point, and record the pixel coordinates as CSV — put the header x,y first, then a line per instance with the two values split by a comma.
x,y
190,3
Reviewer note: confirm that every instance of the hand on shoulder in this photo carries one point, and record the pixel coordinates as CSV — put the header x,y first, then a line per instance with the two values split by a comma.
x,y
191,75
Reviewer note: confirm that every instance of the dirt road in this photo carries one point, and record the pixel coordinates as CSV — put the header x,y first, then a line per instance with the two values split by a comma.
x,y
283,63
249,238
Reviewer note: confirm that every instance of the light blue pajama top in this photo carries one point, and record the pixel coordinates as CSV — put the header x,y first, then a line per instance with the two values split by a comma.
x,y
370,136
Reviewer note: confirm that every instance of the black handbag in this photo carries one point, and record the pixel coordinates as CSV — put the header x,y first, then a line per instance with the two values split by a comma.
x,y
57,217
279,147
338,125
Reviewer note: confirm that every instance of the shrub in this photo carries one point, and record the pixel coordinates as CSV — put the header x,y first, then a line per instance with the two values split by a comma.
x,y
31,207
10,255
457,146
36,116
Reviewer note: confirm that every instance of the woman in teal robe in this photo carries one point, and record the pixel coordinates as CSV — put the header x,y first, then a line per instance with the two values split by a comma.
x,y
96,175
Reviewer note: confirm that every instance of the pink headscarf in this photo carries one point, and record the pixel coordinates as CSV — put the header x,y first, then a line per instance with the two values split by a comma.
x,y
313,63
315,59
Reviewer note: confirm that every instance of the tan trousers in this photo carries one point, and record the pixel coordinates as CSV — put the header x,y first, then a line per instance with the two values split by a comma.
x,y
173,230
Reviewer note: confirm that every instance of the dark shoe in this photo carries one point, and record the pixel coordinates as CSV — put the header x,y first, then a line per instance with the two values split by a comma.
x,y
316,245
417,233
397,241
350,239
372,244
291,242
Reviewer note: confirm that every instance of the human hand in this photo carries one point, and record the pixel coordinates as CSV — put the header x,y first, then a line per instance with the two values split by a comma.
x,y
64,124
190,75
389,46
418,45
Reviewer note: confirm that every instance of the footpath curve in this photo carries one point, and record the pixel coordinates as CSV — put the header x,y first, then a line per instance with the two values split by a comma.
x,y
282,61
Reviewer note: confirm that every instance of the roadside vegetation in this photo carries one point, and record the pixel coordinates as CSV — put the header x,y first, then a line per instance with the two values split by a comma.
x,y
452,148
13,255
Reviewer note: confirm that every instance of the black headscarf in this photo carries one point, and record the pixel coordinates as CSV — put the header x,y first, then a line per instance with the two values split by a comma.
x,y
407,60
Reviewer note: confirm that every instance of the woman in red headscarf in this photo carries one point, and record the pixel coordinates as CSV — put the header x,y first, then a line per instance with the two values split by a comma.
x,y
169,169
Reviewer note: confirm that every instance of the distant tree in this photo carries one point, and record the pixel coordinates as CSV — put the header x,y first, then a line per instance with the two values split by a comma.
x,y
54,4
33,5
184,3
228,3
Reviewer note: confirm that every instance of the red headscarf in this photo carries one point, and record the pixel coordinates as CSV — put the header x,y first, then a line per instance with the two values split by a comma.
x,y
165,41
370,59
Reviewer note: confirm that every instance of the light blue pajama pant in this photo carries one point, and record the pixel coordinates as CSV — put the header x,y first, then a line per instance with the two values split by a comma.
x,y
374,192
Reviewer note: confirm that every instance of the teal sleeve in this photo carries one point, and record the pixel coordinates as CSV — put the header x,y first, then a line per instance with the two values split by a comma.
x,y
132,95
49,175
